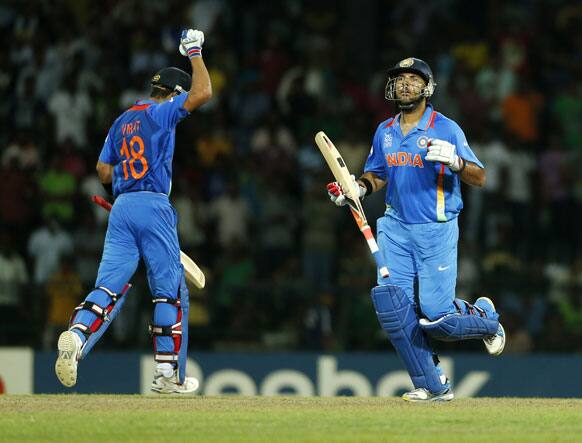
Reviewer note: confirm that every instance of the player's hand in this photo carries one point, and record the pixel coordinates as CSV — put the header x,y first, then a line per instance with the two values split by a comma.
x,y
444,152
336,193
191,43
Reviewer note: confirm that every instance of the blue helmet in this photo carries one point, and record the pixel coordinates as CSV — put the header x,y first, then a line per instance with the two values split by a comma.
x,y
416,66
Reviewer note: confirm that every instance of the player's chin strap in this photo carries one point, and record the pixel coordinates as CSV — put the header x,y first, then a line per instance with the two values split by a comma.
x,y
410,106
104,304
172,324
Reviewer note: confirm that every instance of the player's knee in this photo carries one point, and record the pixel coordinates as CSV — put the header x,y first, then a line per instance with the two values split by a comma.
x,y
165,314
99,297
433,312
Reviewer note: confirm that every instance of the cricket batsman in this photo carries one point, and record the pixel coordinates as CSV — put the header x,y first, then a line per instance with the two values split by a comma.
x,y
421,157
135,166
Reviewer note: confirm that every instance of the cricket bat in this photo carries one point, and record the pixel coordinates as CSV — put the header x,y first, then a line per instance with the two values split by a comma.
x,y
192,272
342,175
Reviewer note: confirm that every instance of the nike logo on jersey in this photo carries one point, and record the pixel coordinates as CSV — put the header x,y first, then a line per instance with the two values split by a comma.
x,y
443,268
404,159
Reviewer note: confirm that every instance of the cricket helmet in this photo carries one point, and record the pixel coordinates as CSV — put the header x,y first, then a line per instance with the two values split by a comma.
x,y
173,79
415,66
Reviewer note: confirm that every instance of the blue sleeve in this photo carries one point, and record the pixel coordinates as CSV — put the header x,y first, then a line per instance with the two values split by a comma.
x,y
169,113
108,154
376,162
463,149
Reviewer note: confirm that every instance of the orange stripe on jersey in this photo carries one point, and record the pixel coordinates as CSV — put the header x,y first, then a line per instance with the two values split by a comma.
x,y
431,120
440,200
390,123
140,107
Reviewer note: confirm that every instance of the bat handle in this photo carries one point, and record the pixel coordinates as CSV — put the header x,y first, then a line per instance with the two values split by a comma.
x,y
101,202
369,236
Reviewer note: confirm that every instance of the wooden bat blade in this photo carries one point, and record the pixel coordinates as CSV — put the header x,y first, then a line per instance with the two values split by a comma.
x,y
342,175
192,272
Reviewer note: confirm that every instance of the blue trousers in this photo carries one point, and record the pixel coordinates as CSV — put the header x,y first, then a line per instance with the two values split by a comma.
x,y
141,225
428,250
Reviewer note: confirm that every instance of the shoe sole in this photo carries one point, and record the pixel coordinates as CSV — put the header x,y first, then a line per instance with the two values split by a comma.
x,y
66,364
499,351
162,390
447,397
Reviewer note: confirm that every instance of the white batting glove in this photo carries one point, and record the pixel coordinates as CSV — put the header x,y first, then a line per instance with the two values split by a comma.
x,y
444,152
191,43
336,193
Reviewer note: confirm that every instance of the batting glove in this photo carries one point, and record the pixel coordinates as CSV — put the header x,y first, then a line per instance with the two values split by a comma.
x,y
191,43
336,193
444,152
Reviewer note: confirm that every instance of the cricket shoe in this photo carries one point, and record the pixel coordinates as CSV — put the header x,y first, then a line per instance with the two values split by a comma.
x,y
420,395
69,346
170,385
494,343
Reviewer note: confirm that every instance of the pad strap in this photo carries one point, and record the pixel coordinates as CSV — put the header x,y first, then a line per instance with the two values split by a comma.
x,y
165,331
81,327
171,301
94,308
102,313
165,357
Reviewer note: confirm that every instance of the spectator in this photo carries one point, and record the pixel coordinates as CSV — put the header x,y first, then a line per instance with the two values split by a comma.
x,y
318,239
13,282
71,108
63,291
47,245
232,217
555,166
57,188
522,112
18,200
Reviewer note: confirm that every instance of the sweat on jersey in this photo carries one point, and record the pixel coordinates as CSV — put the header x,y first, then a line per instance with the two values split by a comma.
x,y
140,146
418,191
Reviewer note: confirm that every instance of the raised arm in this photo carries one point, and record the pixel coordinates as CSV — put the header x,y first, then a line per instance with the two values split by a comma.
x,y
200,89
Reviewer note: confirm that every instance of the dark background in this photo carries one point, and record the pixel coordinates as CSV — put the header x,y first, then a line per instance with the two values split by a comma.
x,y
286,269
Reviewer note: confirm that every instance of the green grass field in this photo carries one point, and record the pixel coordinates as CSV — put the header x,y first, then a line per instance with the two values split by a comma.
x,y
127,418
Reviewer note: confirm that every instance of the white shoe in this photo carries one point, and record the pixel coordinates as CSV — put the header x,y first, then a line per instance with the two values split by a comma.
x,y
422,395
170,385
69,346
494,343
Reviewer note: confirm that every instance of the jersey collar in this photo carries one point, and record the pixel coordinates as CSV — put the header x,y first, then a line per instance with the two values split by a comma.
x,y
145,102
427,118
425,121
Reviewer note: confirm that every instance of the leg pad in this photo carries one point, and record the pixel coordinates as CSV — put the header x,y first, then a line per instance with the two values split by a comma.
x,y
397,316
468,322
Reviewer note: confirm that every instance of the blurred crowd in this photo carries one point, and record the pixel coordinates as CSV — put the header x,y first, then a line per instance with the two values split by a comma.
x,y
286,269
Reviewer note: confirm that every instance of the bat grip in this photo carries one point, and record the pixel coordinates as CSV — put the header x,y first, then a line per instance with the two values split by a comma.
x,y
101,202
367,232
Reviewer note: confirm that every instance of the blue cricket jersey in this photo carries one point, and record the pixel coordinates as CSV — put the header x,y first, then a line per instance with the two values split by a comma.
x,y
418,191
140,146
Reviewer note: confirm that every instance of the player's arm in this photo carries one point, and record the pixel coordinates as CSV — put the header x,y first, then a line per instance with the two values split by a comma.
x,y
371,182
200,90
472,174
104,164
446,153
105,173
